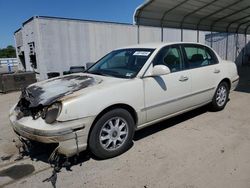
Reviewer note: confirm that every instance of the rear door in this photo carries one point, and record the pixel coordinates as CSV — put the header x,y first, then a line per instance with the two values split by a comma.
x,y
203,67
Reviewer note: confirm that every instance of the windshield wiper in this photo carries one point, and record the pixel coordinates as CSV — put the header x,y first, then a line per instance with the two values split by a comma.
x,y
110,75
98,73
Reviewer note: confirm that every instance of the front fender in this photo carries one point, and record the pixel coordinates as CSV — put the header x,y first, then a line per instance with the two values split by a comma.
x,y
95,100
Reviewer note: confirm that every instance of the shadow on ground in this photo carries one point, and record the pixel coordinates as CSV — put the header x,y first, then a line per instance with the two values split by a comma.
x,y
42,152
169,123
244,83
18,171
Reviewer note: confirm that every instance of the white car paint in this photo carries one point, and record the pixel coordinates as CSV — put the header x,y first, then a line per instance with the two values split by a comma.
x,y
151,98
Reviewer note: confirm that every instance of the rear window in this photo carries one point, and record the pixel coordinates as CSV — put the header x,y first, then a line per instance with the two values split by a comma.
x,y
199,56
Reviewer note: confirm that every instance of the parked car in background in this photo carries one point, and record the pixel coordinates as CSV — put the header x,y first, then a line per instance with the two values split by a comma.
x,y
128,89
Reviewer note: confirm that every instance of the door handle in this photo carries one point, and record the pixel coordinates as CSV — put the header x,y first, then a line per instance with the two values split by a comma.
x,y
183,78
216,70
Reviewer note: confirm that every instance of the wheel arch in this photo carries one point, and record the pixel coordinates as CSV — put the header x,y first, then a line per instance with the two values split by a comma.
x,y
227,80
127,107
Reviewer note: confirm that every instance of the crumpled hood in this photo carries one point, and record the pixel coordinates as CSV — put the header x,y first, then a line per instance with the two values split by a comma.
x,y
46,92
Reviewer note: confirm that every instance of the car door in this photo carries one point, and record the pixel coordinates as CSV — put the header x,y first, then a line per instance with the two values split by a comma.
x,y
167,94
204,69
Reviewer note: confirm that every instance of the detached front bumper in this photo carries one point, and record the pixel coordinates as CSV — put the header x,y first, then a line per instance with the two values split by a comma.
x,y
72,136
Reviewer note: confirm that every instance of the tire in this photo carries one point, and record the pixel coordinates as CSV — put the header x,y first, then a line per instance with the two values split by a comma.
x,y
220,98
112,134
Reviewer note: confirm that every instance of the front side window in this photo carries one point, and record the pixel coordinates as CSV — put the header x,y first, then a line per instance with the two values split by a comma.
x,y
199,56
171,57
124,63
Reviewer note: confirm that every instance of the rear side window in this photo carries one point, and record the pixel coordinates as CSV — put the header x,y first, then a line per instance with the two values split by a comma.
x,y
199,56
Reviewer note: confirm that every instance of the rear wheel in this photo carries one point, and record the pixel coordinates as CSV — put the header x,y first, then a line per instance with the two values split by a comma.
x,y
220,97
112,134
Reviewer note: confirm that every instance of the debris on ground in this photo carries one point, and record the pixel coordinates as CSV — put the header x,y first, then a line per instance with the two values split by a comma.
x,y
52,178
6,157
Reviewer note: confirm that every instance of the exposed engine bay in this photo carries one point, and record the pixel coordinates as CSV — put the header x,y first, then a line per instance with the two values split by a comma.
x,y
37,99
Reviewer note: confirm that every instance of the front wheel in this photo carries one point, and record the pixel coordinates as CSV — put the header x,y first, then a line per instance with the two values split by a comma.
x,y
112,134
220,97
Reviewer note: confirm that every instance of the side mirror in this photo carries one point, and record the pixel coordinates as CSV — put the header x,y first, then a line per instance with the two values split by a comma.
x,y
159,70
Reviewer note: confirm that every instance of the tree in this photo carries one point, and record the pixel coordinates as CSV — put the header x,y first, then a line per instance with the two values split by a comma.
x,y
8,52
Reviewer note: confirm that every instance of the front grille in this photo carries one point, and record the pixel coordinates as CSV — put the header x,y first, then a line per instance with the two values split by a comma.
x,y
23,106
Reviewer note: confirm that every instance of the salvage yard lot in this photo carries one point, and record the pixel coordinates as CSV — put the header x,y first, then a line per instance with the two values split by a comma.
x,y
196,149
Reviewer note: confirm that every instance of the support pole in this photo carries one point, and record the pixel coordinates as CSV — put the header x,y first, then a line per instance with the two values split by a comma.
x,y
243,54
138,34
227,47
245,49
236,46
162,34
245,44
181,35
211,42
198,36
247,52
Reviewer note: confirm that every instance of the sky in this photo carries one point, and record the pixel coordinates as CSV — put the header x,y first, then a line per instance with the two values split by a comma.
x,y
14,12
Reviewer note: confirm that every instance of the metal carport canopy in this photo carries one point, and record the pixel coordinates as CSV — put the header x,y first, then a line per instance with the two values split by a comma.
x,y
232,16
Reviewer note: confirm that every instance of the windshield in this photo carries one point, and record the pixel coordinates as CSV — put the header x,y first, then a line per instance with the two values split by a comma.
x,y
125,63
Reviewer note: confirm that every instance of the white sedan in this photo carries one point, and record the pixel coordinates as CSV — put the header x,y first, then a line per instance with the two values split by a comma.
x,y
128,89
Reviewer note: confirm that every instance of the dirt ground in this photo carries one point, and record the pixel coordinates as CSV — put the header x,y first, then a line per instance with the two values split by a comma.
x,y
194,150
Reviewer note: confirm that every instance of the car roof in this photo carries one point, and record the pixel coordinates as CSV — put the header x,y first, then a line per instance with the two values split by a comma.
x,y
156,45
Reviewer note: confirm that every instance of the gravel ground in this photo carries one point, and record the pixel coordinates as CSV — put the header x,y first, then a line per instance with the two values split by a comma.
x,y
196,149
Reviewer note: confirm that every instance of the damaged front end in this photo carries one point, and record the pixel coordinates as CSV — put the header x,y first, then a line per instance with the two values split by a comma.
x,y
35,115
26,108
43,99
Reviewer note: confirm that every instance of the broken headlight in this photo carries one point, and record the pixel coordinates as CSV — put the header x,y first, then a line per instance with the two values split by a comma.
x,y
53,112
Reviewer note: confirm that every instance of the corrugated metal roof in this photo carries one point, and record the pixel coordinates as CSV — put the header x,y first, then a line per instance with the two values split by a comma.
x,y
207,15
71,19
